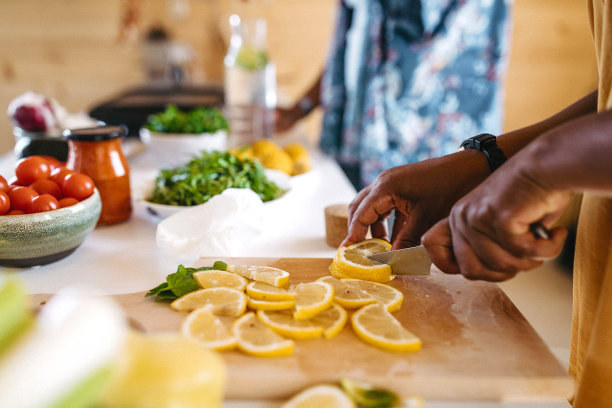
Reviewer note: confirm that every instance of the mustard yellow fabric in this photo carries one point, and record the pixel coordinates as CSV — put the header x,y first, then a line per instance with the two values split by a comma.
x,y
591,348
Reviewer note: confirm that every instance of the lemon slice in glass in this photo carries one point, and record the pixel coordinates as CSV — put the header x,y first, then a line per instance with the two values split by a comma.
x,y
352,261
206,329
374,325
320,396
284,324
312,298
269,304
215,279
331,320
266,274
347,294
264,291
224,301
257,339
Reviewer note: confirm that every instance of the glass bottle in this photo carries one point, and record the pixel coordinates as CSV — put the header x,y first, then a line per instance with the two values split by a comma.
x,y
250,82
97,152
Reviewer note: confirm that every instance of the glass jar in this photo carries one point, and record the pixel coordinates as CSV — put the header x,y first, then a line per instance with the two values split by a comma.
x,y
97,152
250,82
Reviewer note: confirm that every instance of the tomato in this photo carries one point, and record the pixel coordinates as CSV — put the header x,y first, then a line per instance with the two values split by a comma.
x,y
43,202
53,162
46,186
20,197
30,169
4,185
78,185
59,175
5,203
67,202
15,212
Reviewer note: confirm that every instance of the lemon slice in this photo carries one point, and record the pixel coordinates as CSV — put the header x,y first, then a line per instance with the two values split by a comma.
x,y
284,324
263,291
312,298
215,279
374,325
269,304
320,396
331,320
257,339
224,301
386,295
266,274
348,294
351,261
203,327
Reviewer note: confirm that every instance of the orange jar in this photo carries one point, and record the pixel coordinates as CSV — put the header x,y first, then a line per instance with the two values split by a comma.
x,y
97,153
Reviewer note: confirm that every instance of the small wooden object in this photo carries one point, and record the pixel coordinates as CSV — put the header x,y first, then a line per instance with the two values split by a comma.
x,y
336,224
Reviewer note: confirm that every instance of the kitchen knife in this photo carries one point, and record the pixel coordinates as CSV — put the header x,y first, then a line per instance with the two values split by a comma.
x,y
406,261
415,261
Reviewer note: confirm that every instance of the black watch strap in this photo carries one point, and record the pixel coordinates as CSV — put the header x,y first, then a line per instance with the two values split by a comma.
x,y
486,143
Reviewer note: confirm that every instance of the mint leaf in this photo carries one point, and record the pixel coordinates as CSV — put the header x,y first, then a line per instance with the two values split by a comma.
x,y
178,283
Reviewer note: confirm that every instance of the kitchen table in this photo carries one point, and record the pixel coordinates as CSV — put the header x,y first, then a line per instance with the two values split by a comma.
x,y
124,258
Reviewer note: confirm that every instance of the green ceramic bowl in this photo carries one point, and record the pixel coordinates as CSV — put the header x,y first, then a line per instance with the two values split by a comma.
x,y
41,238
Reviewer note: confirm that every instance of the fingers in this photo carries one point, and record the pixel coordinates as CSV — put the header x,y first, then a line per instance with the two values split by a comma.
x,y
438,243
368,209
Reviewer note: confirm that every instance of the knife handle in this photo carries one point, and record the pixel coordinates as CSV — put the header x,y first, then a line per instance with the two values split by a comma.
x,y
539,231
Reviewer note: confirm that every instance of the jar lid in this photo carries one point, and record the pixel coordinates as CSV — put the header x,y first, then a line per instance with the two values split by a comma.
x,y
95,134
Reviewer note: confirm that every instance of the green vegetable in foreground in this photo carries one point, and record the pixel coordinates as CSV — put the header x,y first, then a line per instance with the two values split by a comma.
x,y
198,120
210,174
367,395
181,282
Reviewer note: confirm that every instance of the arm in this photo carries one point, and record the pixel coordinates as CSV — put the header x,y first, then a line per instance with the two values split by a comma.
x,y
422,193
487,233
286,118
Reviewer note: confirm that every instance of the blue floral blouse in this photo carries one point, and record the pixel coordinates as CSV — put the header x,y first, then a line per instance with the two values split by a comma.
x,y
419,77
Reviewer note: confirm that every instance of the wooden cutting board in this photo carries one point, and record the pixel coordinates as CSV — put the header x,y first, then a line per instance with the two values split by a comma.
x,y
476,344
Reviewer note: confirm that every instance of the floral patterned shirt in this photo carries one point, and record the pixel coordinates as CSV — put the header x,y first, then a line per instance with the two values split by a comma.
x,y
428,76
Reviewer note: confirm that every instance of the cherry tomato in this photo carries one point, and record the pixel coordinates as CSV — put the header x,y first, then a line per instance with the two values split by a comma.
x,y
30,169
59,175
20,197
15,212
78,185
43,202
53,162
4,185
46,186
5,203
67,202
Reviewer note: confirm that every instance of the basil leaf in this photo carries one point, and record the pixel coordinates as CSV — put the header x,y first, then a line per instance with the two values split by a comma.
x,y
178,283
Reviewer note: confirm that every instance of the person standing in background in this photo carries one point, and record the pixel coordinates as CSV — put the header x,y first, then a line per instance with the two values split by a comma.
x,y
407,80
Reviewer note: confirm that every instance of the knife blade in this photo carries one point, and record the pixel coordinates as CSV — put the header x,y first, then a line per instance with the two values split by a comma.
x,y
415,261
406,261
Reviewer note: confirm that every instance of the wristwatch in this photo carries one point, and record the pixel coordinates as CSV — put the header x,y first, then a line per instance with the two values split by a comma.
x,y
486,144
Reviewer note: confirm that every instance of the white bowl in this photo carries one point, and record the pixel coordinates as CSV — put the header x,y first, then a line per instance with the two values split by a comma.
x,y
145,190
175,149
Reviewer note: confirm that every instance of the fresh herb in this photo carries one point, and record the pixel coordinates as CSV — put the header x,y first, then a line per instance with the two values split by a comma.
x,y
367,395
181,282
198,120
210,174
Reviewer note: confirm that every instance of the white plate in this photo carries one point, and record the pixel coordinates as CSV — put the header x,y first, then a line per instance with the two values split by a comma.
x,y
164,210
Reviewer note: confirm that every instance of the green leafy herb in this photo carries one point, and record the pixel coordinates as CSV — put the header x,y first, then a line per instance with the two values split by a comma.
x,y
367,395
181,282
198,120
210,174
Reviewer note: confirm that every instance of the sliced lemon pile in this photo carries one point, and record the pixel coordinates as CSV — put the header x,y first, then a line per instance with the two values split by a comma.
x,y
348,294
266,274
312,298
214,279
284,324
224,301
331,320
374,325
264,291
203,327
255,338
269,304
320,396
352,261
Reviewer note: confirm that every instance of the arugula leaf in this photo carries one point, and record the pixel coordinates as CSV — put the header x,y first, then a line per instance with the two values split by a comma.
x,y
198,120
181,282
